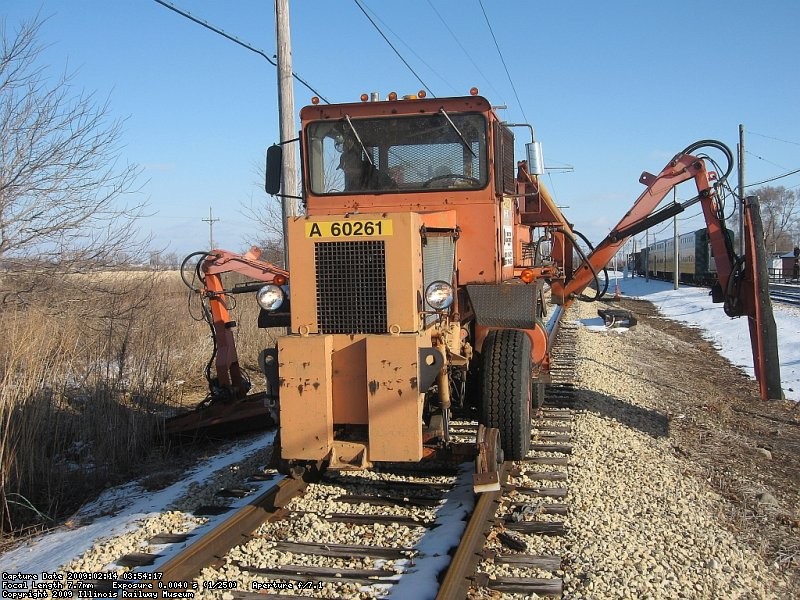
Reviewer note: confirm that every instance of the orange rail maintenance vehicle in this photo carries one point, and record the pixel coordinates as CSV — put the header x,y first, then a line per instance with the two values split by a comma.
x,y
403,268
417,280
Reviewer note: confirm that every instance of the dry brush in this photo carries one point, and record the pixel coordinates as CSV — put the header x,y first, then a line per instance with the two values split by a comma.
x,y
86,380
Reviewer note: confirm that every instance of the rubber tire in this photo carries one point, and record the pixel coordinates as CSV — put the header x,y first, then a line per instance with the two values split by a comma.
x,y
506,389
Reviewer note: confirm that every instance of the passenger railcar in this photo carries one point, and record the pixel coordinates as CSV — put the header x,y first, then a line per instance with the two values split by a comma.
x,y
695,259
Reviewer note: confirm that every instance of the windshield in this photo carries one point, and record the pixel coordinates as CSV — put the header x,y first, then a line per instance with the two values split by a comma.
x,y
411,153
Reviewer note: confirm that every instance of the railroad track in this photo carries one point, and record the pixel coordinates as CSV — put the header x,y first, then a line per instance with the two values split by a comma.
x,y
782,293
498,551
785,294
387,531
398,521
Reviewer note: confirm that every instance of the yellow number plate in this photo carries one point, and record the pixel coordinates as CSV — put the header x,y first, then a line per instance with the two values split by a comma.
x,y
349,229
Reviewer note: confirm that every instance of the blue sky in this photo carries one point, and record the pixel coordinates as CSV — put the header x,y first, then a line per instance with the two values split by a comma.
x,y
612,88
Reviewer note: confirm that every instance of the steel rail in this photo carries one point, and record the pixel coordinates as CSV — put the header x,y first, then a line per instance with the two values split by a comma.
x,y
791,299
785,293
214,544
786,288
554,325
461,572
211,546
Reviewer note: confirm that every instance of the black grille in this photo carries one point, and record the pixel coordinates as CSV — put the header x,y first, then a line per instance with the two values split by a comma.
x,y
504,159
351,287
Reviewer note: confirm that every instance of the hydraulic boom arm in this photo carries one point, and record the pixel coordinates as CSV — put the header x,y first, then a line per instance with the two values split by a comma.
x,y
229,380
742,281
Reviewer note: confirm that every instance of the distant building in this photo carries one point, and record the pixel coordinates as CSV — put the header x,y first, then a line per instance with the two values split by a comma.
x,y
790,264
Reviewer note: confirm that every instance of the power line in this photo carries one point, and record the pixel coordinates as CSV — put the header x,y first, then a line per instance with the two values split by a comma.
x,y
396,51
503,60
766,161
236,40
690,217
769,137
662,229
464,50
552,186
410,48
774,178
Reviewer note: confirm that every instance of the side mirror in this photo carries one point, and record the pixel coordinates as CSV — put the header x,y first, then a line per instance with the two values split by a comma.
x,y
272,180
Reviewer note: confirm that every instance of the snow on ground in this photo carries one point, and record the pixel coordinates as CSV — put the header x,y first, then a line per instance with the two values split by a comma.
x,y
130,504
693,306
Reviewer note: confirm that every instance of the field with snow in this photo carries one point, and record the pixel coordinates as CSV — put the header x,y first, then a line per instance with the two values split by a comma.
x,y
693,306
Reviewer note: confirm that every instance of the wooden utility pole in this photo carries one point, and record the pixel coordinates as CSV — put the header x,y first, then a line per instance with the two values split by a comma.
x,y
210,222
286,117
675,240
765,340
740,202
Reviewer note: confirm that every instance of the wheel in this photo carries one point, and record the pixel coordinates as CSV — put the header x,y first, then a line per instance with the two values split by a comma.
x,y
506,389
494,453
490,453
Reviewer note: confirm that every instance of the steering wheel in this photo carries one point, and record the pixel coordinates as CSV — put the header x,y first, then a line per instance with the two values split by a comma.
x,y
450,176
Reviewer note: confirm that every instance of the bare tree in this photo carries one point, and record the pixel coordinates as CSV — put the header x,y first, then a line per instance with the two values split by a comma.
x,y
780,211
61,175
267,213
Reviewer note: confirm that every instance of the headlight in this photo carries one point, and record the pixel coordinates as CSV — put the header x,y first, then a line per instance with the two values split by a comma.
x,y
270,297
439,295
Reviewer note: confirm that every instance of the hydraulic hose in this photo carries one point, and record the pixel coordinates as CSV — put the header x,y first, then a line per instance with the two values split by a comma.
x,y
719,146
198,272
206,314
599,293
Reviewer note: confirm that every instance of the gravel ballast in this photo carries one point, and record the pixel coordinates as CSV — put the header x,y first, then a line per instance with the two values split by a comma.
x,y
643,525
645,520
